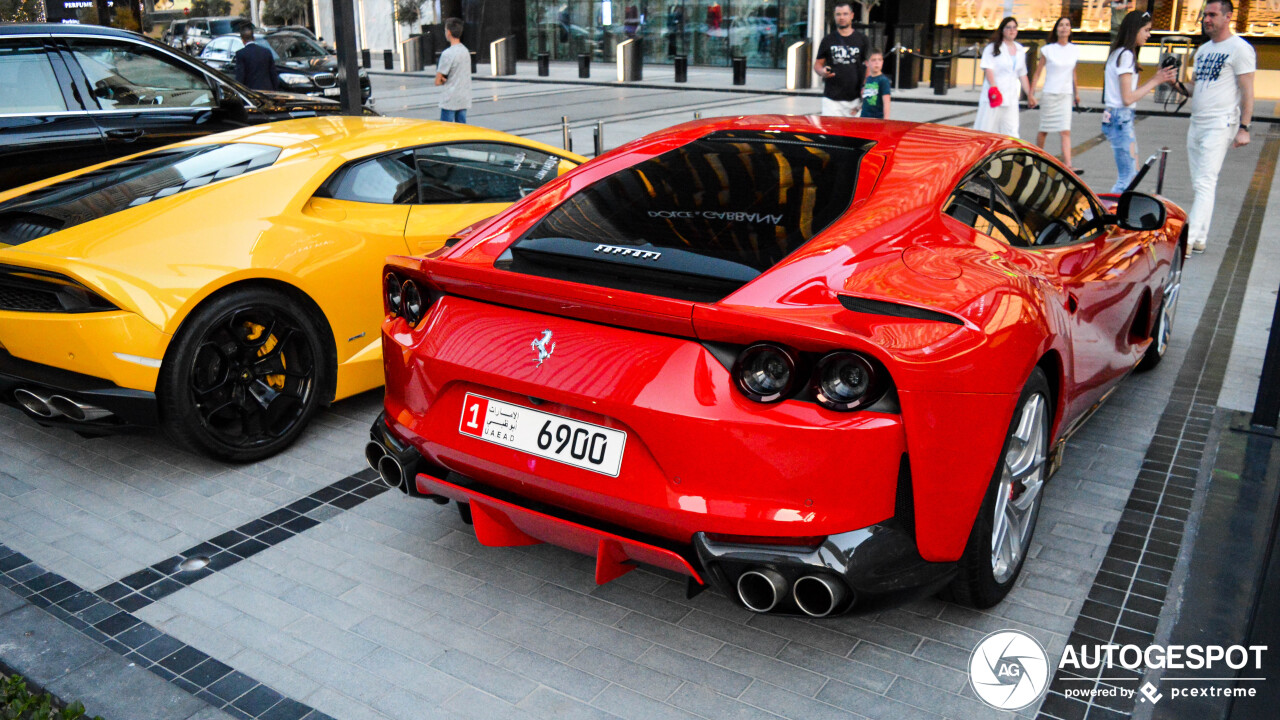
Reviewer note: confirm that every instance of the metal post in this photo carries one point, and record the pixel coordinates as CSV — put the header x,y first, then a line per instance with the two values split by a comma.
x,y
1164,158
599,138
1266,408
344,31
897,64
697,115
565,136
977,60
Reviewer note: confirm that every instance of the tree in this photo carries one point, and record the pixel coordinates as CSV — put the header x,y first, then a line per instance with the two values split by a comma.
x,y
210,8
865,7
285,12
408,12
19,10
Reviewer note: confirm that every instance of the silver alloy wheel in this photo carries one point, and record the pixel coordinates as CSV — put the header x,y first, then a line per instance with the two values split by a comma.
x,y
1018,496
1169,306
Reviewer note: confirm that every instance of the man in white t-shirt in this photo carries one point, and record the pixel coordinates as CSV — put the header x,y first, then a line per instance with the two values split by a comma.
x,y
1221,109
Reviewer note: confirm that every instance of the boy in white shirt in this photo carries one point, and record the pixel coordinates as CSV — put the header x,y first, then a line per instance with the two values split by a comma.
x,y
1221,108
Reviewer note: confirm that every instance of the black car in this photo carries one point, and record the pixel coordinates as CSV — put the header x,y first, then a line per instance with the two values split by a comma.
x,y
302,64
76,95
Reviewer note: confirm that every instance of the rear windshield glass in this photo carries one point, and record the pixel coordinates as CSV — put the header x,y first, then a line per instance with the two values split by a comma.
x,y
699,221
125,184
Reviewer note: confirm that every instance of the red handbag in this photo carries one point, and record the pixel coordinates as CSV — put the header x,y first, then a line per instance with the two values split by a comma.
x,y
994,98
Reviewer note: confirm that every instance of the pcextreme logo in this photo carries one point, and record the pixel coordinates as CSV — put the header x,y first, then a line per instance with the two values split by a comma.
x,y
1009,670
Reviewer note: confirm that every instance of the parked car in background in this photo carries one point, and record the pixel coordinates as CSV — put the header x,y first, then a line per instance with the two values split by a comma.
x,y
76,95
202,30
227,287
813,362
302,64
175,35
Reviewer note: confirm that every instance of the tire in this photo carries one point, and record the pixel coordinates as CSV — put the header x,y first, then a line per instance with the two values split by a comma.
x,y
244,375
990,566
1163,329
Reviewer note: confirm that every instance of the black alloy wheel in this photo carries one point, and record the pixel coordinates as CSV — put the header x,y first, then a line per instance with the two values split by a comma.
x,y
244,376
1001,535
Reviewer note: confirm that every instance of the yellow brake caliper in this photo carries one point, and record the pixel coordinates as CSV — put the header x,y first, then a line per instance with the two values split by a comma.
x,y
255,331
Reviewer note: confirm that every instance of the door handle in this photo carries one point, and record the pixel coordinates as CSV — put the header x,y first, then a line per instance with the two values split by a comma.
x,y
127,134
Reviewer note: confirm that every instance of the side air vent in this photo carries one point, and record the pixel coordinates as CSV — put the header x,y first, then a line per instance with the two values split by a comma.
x,y
880,307
29,290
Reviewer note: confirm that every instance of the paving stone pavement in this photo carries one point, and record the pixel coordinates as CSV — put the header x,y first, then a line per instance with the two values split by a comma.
x,y
388,608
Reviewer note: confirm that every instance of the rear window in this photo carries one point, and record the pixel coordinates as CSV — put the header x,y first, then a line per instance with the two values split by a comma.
x,y
125,184
697,222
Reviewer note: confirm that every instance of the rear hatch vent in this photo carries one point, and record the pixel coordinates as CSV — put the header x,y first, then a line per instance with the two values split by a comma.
x,y
698,222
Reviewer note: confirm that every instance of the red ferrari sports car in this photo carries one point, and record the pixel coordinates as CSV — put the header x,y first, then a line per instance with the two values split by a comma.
x,y
820,364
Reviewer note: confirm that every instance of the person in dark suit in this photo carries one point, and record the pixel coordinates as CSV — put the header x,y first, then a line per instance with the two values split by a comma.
x,y
255,65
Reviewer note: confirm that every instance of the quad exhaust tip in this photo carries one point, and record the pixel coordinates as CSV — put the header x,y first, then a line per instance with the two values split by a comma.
x,y
78,411
392,472
373,454
34,404
58,406
818,595
761,589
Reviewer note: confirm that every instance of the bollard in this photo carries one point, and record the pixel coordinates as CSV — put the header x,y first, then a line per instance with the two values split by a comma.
x,y
365,60
599,138
474,63
388,60
566,135
1164,158
800,66
739,70
697,114
544,64
682,68
584,65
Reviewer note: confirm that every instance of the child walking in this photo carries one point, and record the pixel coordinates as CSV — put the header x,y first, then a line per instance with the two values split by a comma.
x,y
875,92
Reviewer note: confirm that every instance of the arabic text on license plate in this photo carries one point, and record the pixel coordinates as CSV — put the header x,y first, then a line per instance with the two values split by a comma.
x,y
583,445
332,92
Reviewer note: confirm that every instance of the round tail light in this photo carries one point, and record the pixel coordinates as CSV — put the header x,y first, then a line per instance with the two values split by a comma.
x,y
391,293
765,373
846,381
413,305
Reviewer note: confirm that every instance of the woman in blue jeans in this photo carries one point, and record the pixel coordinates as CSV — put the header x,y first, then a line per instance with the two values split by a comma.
x,y
1121,91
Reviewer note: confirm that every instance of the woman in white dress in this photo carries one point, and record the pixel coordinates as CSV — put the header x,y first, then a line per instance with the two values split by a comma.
x,y
1061,91
1004,68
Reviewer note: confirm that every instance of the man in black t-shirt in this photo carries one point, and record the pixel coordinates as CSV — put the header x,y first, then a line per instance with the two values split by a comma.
x,y
839,64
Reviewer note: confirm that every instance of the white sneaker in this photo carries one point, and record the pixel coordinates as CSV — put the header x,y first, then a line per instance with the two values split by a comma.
x,y
1198,246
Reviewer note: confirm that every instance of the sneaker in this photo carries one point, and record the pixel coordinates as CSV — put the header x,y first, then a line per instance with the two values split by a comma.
x,y
1198,247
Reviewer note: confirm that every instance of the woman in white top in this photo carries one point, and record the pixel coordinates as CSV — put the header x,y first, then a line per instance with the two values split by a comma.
x,y
1004,67
1061,91
1121,93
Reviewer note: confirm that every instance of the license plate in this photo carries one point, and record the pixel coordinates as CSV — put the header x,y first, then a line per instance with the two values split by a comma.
x,y
332,92
582,445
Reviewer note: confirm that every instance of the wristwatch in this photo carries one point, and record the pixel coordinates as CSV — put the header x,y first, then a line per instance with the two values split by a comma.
x,y
1244,127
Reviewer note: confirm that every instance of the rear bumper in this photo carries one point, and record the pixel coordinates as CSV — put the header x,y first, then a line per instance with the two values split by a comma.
x,y
129,408
876,566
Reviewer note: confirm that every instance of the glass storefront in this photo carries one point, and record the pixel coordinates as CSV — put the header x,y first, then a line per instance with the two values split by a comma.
x,y
709,32
1256,18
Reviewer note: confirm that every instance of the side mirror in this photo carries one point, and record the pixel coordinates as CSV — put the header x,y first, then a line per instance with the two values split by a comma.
x,y
1139,211
228,101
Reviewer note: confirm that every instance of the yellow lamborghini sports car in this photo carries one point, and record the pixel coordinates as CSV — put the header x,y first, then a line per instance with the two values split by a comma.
x,y
226,287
